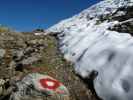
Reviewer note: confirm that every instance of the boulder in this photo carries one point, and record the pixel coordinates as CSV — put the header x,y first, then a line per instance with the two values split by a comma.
x,y
39,86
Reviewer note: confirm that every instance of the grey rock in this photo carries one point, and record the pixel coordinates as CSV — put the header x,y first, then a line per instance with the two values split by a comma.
x,y
2,53
29,88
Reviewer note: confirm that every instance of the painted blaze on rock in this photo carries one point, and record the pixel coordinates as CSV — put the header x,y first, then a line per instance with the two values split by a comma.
x,y
52,86
43,85
48,84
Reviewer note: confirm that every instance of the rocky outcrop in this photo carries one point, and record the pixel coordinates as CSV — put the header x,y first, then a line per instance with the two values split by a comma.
x,y
15,48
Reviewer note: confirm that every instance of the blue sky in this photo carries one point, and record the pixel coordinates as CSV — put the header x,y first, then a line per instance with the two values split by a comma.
x,y
27,15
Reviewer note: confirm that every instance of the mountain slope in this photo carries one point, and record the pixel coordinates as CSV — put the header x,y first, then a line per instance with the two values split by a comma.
x,y
95,40
24,54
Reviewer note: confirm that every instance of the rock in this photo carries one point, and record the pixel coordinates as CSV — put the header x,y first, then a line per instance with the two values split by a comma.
x,y
30,60
2,53
39,86
2,82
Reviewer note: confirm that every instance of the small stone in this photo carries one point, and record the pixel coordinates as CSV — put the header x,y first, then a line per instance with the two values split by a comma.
x,y
2,53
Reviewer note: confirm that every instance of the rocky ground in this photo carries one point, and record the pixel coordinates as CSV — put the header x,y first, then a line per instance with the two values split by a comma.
x,y
24,53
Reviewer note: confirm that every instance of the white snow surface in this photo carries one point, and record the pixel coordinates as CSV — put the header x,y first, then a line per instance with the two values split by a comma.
x,y
91,46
